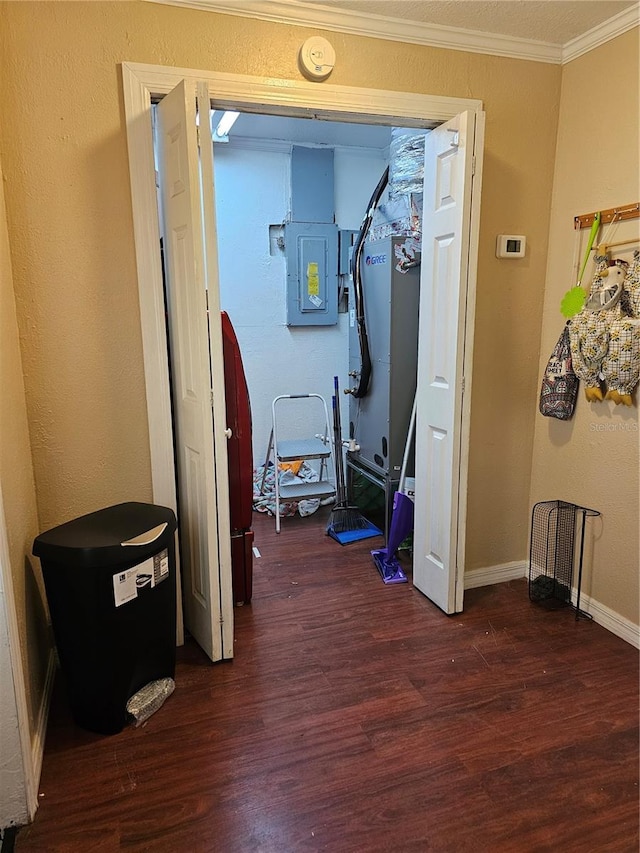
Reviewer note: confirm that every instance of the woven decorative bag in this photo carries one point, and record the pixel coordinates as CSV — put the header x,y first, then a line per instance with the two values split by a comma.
x,y
559,383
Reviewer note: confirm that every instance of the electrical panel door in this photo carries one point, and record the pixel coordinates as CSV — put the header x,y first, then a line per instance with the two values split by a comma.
x,y
312,273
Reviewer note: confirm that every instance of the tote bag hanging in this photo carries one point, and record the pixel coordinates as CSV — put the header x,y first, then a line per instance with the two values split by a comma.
x,y
559,383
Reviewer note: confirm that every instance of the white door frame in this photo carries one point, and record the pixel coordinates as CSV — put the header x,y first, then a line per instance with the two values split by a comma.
x,y
20,789
142,84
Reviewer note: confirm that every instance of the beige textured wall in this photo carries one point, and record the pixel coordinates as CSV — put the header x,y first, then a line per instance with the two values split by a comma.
x,y
18,490
69,214
592,460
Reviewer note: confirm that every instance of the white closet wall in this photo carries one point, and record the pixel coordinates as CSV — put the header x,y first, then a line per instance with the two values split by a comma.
x,y
252,187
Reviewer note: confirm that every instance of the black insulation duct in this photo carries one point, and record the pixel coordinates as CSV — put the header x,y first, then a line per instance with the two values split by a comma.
x,y
365,356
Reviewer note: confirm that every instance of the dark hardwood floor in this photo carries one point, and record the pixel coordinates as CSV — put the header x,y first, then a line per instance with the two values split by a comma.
x,y
358,717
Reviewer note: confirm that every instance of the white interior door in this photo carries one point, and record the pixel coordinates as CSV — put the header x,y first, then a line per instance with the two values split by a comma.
x,y
197,377
447,300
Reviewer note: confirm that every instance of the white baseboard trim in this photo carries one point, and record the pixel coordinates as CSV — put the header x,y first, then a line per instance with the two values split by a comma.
x,y
37,748
609,619
496,574
602,615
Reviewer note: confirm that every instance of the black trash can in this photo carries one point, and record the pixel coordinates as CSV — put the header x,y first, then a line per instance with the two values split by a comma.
x,y
110,583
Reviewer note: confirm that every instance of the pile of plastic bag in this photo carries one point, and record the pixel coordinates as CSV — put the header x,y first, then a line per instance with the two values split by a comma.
x,y
290,473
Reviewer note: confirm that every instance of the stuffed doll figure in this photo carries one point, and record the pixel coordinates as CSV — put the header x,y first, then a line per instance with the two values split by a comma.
x,y
621,365
589,334
605,335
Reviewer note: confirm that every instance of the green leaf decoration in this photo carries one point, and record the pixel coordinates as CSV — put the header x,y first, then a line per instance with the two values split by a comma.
x,y
573,302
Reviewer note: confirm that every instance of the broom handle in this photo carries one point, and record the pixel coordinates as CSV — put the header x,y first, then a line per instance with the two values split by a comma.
x,y
336,387
336,391
337,446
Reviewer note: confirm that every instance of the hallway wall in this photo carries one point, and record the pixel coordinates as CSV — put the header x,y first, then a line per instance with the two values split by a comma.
x,y
592,459
69,213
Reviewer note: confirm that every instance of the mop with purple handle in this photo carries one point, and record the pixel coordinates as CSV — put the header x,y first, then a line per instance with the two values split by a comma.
x,y
386,559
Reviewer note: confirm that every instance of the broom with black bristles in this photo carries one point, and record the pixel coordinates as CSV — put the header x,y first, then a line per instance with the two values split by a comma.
x,y
343,518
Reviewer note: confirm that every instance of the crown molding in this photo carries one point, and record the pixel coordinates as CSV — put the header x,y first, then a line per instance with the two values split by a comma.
x,y
615,26
298,14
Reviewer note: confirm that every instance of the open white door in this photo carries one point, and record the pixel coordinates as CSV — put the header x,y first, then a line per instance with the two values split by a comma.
x,y
447,303
197,374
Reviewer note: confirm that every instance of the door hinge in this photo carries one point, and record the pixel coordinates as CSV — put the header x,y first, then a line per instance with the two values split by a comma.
x,y
198,134
473,165
211,397
463,384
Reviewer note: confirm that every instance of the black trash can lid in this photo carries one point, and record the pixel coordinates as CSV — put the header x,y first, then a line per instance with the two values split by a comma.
x,y
109,537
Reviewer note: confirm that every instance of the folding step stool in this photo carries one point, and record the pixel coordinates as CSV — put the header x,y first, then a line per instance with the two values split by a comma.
x,y
295,449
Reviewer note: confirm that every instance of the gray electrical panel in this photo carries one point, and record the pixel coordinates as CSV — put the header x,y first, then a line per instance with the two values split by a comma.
x,y
311,240
311,250
312,195
379,421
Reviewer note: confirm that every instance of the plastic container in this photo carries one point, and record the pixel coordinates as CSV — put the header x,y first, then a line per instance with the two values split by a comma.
x,y
110,583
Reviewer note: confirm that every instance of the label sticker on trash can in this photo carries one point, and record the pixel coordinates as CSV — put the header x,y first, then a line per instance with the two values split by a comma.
x,y
130,583
161,566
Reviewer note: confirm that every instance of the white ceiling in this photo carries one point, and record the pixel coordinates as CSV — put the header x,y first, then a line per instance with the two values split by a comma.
x,y
552,21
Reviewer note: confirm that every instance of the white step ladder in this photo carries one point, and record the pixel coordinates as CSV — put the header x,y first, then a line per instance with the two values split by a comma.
x,y
295,449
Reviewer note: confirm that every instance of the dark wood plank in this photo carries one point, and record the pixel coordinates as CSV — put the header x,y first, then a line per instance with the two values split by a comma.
x,y
358,717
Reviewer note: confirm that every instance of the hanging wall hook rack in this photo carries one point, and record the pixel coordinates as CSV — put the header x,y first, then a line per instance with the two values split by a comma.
x,y
620,214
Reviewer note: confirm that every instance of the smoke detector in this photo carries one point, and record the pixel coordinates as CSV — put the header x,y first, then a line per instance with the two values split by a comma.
x,y
317,58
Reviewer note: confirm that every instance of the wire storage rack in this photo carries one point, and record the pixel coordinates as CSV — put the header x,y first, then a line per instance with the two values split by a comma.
x,y
552,553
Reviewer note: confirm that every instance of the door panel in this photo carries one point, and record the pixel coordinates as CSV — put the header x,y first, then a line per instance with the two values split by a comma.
x,y
216,362
188,268
438,571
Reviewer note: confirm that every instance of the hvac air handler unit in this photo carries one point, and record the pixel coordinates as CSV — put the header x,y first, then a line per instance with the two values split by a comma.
x,y
111,587
379,421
